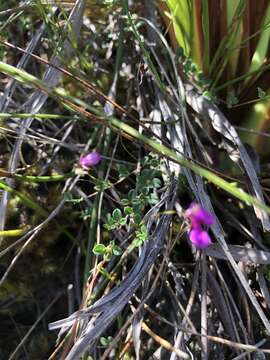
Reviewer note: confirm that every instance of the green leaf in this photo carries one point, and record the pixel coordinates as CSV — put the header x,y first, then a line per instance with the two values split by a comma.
x,y
261,93
131,195
157,183
137,242
145,191
111,224
86,214
208,95
123,171
123,221
136,201
232,100
104,341
125,202
117,214
101,185
116,250
128,210
153,199
141,236
137,218
99,249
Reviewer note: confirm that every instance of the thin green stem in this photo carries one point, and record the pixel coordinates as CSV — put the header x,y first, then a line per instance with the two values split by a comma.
x,y
42,179
35,116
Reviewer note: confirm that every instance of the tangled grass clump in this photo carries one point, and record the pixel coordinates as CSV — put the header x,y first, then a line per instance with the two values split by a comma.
x,y
111,125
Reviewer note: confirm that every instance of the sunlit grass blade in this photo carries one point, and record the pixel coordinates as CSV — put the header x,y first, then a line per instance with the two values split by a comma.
x,y
230,37
35,116
259,56
258,120
187,22
13,232
197,35
181,16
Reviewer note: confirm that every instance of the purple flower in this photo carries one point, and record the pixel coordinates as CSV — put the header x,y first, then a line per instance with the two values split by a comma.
x,y
199,217
91,159
200,238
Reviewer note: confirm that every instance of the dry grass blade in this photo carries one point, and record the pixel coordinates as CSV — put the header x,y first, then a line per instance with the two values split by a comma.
x,y
208,110
222,307
179,141
240,253
113,307
164,343
37,99
264,288
204,327
4,102
110,305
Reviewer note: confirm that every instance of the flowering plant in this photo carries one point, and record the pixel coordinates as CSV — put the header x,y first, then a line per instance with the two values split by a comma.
x,y
198,217
89,160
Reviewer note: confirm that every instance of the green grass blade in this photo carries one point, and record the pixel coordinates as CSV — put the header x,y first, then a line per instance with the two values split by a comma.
x,y
233,8
206,36
28,202
42,179
13,232
35,116
263,44
182,20
242,77
223,57
76,106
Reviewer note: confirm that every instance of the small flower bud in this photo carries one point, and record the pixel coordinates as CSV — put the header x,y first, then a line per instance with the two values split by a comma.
x,y
89,160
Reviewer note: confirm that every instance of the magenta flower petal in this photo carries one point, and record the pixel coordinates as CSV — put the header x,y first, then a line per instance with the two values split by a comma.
x,y
204,217
90,159
200,238
199,216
